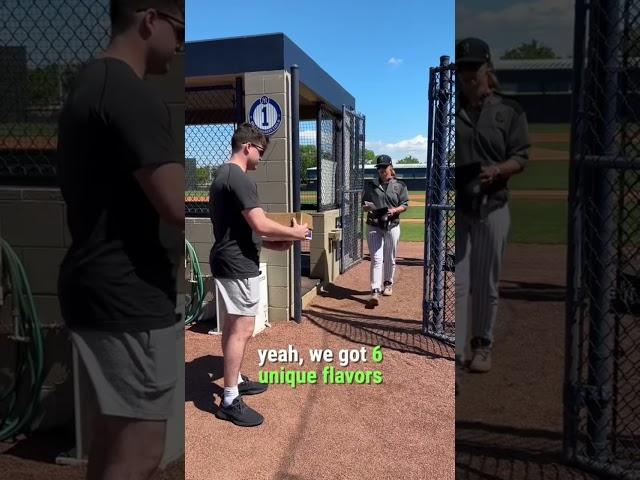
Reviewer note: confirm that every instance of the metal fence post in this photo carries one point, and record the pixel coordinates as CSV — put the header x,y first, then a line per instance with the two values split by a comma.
x,y
295,153
426,304
601,332
439,192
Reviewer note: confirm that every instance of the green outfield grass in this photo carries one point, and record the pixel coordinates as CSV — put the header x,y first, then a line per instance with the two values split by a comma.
x,y
561,146
414,212
412,232
538,221
549,128
28,129
542,175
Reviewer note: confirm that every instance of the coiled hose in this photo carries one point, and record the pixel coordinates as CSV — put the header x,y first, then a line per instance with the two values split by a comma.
x,y
195,303
22,396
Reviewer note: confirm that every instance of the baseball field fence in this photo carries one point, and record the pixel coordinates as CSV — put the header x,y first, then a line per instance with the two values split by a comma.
x,y
42,47
212,114
439,245
351,189
602,376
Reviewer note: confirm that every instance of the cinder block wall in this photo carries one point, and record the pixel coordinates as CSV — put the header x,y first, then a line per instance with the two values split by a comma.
x,y
325,263
273,180
32,221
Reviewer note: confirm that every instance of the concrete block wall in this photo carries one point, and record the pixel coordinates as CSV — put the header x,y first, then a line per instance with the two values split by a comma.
x,y
325,263
273,180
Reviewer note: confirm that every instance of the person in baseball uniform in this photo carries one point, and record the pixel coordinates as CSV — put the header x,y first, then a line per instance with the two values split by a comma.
x,y
384,199
492,138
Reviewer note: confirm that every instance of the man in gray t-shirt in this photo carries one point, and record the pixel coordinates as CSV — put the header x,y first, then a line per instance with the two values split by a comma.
x,y
239,225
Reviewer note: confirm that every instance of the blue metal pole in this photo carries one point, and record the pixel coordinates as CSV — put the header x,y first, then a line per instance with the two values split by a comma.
x,y
426,303
439,193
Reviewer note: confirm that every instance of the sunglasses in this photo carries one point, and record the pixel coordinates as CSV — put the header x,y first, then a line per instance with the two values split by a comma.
x,y
176,23
259,148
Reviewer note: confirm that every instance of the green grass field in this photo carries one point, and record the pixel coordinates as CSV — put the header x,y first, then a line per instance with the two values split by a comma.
x,y
538,221
28,129
549,128
412,232
542,175
414,212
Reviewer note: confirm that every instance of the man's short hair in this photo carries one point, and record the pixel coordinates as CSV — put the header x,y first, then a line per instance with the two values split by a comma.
x,y
248,133
123,11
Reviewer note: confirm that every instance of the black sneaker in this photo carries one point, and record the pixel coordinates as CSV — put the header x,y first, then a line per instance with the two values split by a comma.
x,y
249,387
239,413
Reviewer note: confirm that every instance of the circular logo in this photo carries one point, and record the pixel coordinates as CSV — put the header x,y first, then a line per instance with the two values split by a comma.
x,y
266,115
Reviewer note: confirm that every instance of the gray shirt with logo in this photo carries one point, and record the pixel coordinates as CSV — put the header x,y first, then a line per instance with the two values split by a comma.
x,y
495,133
390,195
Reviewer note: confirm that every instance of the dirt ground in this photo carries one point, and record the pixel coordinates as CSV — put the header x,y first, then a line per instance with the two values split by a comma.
x,y
509,421
402,428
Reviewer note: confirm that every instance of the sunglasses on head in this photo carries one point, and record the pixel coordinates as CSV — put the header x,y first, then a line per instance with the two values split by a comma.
x,y
176,23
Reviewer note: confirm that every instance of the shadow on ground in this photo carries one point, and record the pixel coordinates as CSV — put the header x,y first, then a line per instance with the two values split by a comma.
x,y
485,451
532,292
401,334
200,375
41,446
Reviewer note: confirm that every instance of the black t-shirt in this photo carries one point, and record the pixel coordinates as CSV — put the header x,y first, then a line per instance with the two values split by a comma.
x,y
117,274
236,251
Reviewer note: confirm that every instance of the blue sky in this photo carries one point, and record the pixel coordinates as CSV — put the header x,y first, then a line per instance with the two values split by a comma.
x,y
379,50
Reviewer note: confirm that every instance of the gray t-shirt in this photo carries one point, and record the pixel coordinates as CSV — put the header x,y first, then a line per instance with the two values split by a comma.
x,y
236,251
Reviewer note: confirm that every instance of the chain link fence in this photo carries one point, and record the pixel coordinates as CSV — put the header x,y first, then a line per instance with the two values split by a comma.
x,y
439,245
212,114
602,401
320,151
42,46
330,142
351,189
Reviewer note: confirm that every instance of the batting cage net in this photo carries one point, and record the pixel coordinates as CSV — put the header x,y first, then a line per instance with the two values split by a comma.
x,y
351,185
320,157
211,116
439,240
602,401
42,47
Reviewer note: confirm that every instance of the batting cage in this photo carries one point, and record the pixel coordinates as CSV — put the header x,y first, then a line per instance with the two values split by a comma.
x,y
351,185
439,240
601,401
212,113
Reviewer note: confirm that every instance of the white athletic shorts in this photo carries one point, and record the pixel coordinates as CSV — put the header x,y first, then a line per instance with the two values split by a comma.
x,y
240,296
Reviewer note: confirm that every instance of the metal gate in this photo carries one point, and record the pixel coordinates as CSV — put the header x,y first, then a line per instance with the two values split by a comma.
x,y
351,178
601,401
211,116
439,243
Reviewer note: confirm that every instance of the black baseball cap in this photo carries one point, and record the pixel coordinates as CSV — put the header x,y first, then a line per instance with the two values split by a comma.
x,y
472,50
383,161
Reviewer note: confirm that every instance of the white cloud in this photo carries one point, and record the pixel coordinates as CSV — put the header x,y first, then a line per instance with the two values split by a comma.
x,y
395,62
307,136
416,147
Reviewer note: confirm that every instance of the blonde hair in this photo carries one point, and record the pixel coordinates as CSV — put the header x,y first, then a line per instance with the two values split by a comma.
x,y
393,172
494,84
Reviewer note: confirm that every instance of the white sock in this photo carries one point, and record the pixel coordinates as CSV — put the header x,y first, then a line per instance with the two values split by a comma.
x,y
240,380
230,394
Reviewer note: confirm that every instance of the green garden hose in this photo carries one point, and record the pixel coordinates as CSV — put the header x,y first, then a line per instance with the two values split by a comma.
x,y
195,304
22,396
